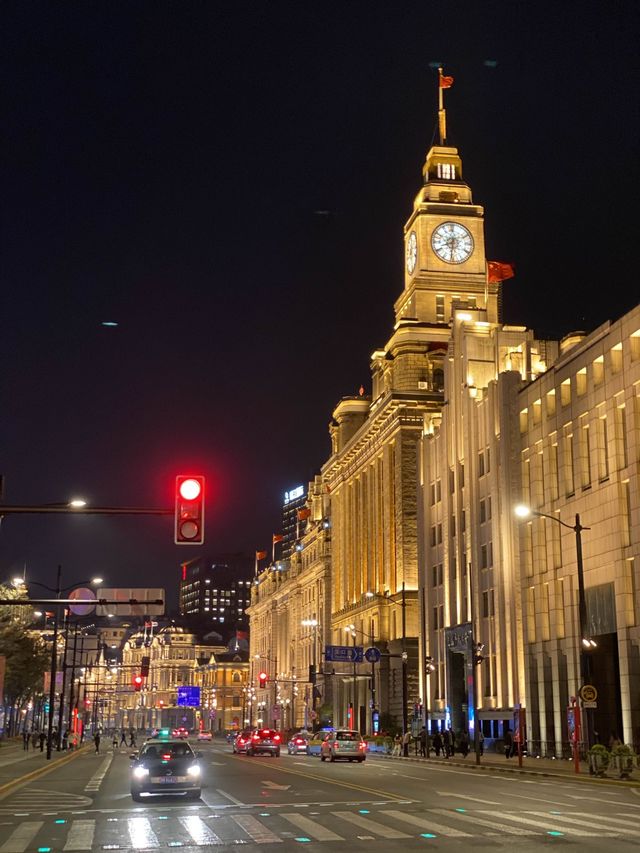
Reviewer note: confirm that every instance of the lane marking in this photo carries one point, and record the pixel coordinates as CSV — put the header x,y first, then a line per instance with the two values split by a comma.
x,y
21,837
551,824
199,831
428,825
80,835
274,786
312,828
579,818
465,797
371,825
141,834
96,780
257,831
492,824
230,797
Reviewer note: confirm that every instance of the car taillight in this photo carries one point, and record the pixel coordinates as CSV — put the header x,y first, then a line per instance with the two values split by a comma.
x,y
166,756
299,740
336,744
256,737
363,744
276,737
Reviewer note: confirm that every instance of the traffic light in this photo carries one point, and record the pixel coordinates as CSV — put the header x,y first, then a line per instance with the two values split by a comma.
x,y
312,673
189,512
137,683
144,666
262,679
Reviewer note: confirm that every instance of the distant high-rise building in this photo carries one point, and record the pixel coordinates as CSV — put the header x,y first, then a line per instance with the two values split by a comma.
x,y
292,526
216,591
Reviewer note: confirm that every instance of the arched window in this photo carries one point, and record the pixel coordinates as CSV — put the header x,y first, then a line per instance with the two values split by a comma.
x,y
236,677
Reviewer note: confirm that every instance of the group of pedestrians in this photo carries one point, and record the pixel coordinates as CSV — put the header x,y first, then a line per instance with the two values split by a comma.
x,y
36,738
114,739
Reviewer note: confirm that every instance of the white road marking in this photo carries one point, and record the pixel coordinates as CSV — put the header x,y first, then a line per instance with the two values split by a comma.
x,y
218,763
275,787
230,797
140,832
552,822
502,828
80,835
587,819
199,831
370,825
21,837
312,828
96,780
257,831
427,825
465,797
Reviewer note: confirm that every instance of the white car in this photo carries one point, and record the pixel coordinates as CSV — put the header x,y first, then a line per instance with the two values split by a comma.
x,y
203,735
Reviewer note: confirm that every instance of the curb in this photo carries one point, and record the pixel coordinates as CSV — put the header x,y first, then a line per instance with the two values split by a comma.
x,y
9,787
576,777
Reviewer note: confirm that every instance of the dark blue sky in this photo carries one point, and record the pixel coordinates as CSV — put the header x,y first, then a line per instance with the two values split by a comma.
x,y
162,163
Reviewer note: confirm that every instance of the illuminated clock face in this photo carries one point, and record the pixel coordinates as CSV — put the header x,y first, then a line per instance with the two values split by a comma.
x,y
411,252
452,243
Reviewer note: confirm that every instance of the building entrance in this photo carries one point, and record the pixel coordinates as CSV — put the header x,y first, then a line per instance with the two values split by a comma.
x,y
459,699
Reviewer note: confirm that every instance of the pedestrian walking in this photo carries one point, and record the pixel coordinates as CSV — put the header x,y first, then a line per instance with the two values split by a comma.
x,y
35,737
123,738
96,740
114,741
446,743
65,738
463,743
397,745
25,739
437,743
452,746
508,744
43,737
481,742
423,742
132,739
406,740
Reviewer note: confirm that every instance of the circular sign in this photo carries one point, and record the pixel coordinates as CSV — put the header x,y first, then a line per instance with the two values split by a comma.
x,y
372,655
82,593
588,693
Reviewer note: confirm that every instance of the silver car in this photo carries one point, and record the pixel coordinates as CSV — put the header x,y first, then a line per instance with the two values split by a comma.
x,y
343,745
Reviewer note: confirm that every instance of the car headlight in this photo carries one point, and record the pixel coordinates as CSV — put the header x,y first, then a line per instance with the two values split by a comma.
x,y
194,770
140,772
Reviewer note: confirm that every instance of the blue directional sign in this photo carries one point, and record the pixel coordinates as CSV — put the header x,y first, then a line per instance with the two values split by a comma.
x,y
372,655
344,654
189,697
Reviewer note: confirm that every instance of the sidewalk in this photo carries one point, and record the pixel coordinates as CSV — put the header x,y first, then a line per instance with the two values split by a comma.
x,y
559,768
18,765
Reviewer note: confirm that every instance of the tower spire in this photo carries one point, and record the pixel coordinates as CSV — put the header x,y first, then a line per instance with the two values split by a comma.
x,y
443,83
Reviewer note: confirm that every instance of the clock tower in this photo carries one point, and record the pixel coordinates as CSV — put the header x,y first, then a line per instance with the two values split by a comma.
x,y
445,260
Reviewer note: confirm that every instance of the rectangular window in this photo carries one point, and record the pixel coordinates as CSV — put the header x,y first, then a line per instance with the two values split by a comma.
x,y
581,382
438,490
602,444
537,410
620,414
626,513
569,472
531,615
484,557
461,475
439,534
597,370
452,481
524,416
553,471
560,628
453,525
446,171
551,402
481,464
585,453
439,309
544,612
615,355
433,493
483,511
565,392
436,625
488,458
433,536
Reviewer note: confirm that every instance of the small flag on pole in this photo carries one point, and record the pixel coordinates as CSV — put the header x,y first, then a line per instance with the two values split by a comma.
x,y
304,513
500,271
446,82
261,555
277,537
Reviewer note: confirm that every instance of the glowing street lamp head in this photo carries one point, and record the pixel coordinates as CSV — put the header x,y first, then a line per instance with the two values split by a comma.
x,y
77,503
522,511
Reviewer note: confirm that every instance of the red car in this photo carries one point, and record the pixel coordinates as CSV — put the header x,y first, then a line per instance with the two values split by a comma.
x,y
180,733
241,742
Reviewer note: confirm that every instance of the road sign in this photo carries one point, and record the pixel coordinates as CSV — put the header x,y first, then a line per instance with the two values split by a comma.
x,y
344,654
275,712
372,655
589,704
188,697
126,595
588,693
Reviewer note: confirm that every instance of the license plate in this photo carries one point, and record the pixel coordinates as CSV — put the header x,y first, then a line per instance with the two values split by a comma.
x,y
167,780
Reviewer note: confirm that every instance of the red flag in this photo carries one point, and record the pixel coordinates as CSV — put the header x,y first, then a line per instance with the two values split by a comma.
x,y
499,271
277,537
446,82
261,555
242,635
303,513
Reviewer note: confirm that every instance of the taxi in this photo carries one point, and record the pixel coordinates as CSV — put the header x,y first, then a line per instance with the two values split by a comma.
x,y
166,765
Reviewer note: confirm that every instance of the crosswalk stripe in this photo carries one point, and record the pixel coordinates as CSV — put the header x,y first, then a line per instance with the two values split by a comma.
x,y
199,831
590,820
312,828
80,835
257,831
19,839
140,832
371,825
552,823
614,819
427,825
492,824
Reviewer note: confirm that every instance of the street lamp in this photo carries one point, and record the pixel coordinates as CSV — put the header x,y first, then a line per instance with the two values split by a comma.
x,y
54,651
586,643
312,623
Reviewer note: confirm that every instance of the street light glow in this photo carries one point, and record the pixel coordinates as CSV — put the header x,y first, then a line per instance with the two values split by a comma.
x,y
96,580
522,511
77,503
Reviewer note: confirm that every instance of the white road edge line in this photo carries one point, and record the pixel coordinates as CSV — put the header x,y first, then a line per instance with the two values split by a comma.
x,y
230,797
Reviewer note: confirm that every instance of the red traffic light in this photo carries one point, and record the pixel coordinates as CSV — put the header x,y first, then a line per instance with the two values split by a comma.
x,y
137,682
189,510
262,679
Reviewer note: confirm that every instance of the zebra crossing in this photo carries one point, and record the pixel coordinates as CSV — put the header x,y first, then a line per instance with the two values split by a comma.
x,y
151,830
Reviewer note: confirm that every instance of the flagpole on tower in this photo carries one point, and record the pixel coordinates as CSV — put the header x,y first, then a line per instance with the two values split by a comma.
x,y
442,114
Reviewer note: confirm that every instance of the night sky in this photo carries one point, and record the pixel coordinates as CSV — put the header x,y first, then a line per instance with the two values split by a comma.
x,y
163,165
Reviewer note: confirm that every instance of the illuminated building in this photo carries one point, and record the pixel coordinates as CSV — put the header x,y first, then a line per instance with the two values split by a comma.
x,y
216,592
292,526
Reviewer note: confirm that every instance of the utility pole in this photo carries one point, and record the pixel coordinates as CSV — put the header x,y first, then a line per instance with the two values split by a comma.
x,y
405,720
54,666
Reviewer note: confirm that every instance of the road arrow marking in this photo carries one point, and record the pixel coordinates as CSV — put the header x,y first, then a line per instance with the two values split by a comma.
x,y
273,786
463,797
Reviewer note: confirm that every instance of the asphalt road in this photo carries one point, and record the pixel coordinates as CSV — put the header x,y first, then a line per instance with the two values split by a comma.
x,y
293,801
